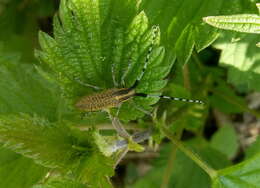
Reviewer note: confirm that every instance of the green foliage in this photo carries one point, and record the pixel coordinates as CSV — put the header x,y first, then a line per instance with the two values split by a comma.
x,y
60,183
240,57
245,174
105,43
82,50
248,23
189,82
182,168
190,117
18,171
242,60
253,149
225,136
68,183
226,100
22,88
41,140
181,22
19,24
55,145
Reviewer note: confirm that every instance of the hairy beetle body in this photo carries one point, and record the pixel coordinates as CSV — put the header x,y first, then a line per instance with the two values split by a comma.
x,y
104,100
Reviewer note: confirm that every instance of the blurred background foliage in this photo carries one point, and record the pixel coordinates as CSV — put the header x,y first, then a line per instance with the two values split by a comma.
x,y
226,75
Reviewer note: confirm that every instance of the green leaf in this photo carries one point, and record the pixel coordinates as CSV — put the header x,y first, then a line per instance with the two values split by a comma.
x,y
185,44
242,175
18,171
181,22
61,183
83,50
248,23
50,144
55,145
194,176
225,99
225,141
253,149
69,183
22,88
104,143
240,57
18,28
242,60
192,118
95,170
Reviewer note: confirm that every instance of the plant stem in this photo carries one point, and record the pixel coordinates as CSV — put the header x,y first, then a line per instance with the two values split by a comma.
x,y
186,77
210,171
197,61
118,127
170,164
169,168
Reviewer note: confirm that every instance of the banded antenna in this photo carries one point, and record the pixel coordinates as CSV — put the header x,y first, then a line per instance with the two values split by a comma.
x,y
155,32
171,98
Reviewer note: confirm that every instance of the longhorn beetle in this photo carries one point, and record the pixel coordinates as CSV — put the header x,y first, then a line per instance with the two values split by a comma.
x,y
116,96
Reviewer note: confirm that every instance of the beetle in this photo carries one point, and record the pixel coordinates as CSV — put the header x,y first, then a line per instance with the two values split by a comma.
x,y
116,96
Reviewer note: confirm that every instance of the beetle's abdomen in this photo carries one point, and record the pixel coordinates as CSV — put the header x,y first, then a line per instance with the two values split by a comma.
x,y
104,100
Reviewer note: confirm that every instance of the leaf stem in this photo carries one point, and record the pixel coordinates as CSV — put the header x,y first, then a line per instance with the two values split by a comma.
x,y
186,77
169,168
197,61
210,171
170,163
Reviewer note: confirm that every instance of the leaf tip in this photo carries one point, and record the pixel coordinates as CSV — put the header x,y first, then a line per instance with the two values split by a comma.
x,y
258,6
207,19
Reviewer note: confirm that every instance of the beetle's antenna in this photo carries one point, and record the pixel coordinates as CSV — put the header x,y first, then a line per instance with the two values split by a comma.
x,y
171,98
155,30
77,80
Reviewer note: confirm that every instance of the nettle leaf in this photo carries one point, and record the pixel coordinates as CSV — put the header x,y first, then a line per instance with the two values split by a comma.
x,y
253,149
51,144
102,50
241,57
57,182
194,176
96,170
242,60
18,171
247,23
181,22
243,175
225,99
22,88
225,136
55,145
61,183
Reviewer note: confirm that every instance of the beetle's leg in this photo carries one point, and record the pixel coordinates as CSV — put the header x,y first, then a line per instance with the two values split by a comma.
x,y
119,127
